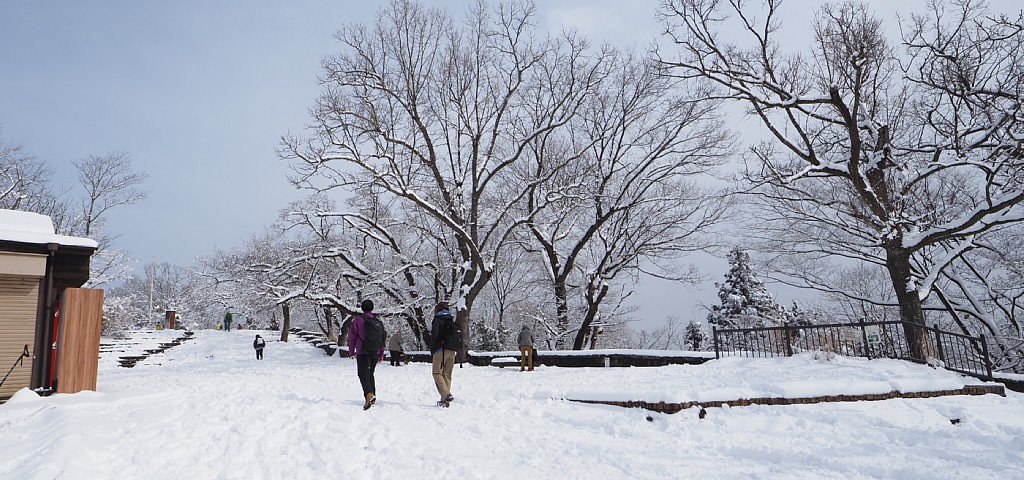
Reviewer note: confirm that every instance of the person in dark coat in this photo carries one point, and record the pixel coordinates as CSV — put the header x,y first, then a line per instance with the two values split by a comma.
x,y
258,344
443,347
525,348
366,362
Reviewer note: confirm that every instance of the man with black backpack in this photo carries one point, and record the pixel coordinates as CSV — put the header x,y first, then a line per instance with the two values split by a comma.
x,y
366,341
445,341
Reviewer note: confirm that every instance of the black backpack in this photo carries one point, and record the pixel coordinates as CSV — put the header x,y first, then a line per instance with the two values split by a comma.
x,y
374,334
451,334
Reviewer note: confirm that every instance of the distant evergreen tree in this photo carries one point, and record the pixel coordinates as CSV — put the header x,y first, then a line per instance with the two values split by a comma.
x,y
695,338
744,300
798,317
491,338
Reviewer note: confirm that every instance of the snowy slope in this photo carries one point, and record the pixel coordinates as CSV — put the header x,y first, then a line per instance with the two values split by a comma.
x,y
211,411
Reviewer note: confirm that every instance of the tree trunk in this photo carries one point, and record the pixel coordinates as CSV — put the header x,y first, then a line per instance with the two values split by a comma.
x,y
561,312
897,262
287,322
462,317
595,296
329,319
417,323
343,335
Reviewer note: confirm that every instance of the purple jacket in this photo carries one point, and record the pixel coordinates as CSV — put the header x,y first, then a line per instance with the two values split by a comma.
x,y
356,334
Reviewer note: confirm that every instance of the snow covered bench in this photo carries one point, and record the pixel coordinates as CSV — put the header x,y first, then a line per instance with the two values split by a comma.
x,y
502,362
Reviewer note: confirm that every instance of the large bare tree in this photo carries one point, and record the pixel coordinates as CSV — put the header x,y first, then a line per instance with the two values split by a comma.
x,y
439,112
901,154
108,182
632,196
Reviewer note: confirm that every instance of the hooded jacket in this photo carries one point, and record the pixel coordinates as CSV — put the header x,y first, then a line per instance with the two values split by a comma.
x,y
437,343
525,337
395,342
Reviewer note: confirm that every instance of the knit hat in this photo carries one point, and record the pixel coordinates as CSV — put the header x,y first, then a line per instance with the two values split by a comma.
x,y
367,305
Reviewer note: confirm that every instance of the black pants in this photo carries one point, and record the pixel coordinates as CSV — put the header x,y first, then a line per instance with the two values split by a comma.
x,y
396,357
365,365
259,354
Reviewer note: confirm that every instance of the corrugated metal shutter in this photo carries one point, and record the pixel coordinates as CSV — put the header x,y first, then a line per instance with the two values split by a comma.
x,y
19,297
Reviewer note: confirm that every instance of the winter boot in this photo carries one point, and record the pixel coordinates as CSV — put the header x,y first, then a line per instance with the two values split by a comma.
x,y
370,399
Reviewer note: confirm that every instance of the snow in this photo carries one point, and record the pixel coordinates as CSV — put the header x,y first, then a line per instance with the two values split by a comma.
x,y
208,410
28,227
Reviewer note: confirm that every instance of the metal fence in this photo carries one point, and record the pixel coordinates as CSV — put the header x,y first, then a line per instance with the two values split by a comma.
x,y
953,351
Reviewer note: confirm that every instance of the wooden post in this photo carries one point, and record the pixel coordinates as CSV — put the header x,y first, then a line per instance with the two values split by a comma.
x,y
79,339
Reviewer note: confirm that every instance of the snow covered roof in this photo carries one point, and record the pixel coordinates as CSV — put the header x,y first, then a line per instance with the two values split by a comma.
x,y
28,227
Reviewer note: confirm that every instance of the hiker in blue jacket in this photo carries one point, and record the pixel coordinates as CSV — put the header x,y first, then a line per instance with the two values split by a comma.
x,y
367,351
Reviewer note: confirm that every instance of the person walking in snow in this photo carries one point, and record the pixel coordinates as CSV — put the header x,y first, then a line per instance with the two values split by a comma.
x,y
395,349
445,341
227,321
366,343
258,344
525,348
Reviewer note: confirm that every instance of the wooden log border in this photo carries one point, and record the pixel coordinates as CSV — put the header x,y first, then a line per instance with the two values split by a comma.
x,y
664,407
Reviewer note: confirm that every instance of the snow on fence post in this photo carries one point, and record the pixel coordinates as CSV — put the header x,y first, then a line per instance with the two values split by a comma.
x,y
714,336
786,333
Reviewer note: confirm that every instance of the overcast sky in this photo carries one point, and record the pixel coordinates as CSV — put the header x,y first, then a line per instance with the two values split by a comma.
x,y
199,92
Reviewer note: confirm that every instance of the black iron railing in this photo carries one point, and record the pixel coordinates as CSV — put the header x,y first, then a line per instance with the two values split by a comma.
x,y
953,351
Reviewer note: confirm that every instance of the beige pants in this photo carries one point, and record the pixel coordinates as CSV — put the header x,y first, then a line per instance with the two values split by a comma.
x,y
443,362
526,357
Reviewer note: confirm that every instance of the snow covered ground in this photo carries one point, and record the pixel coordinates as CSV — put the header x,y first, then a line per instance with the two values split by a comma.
x,y
209,410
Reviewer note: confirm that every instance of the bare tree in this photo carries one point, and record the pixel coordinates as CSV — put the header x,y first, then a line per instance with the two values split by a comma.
x,y
109,181
439,112
672,335
630,196
25,182
143,298
983,293
902,157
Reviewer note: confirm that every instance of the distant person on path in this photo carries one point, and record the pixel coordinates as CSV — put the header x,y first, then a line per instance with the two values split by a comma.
x,y
258,344
445,341
219,326
525,348
227,321
366,342
395,349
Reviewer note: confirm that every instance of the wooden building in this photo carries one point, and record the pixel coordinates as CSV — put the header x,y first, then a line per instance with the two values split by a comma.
x,y
49,328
